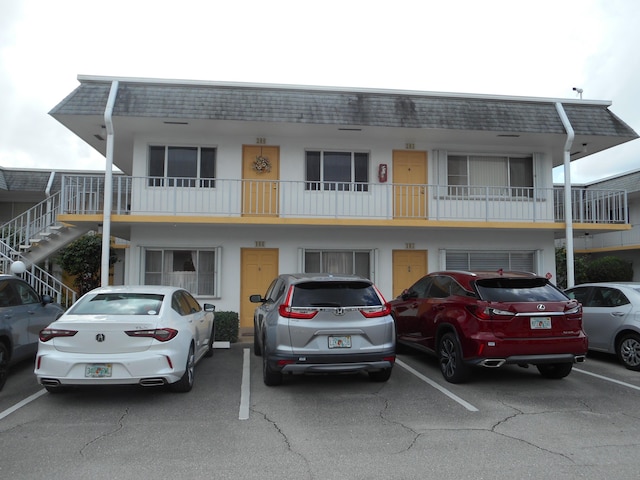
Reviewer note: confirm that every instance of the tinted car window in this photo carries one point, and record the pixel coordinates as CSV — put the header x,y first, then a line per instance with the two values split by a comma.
x,y
179,304
8,296
271,289
276,290
420,288
26,294
518,290
334,294
194,306
581,294
607,297
439,287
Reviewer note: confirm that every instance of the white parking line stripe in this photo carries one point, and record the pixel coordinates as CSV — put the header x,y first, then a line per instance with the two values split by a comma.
x,y
21,404
607,379
245,390
449,394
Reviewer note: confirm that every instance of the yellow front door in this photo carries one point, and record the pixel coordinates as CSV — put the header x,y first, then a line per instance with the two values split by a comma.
x,y
260,175
408,267
259,266
410,184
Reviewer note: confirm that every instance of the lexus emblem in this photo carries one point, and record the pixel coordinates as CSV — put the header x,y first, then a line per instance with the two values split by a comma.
x,y
541,306
100,337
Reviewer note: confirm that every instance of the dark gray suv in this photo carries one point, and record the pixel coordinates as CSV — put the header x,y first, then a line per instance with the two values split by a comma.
x,y
323,323
23,313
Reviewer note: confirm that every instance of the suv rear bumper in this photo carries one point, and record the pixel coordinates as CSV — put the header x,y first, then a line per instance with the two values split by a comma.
x,y
344,363
528,359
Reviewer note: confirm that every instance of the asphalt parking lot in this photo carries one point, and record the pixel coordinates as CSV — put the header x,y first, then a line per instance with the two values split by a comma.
x,y
506,423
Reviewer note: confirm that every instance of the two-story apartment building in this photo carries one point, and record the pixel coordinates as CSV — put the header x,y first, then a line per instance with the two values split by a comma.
x,y
225,185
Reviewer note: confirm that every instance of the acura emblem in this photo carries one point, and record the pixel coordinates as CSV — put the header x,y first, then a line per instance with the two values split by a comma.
x,y
541,306
100,337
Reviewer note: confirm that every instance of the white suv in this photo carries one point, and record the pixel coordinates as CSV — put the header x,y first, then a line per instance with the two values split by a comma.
x,y
323,323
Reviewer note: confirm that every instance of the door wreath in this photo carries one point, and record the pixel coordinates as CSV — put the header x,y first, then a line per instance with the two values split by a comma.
x,y
261,164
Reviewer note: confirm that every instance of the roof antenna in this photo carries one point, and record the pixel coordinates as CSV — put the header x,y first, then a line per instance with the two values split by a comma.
x,y
579,90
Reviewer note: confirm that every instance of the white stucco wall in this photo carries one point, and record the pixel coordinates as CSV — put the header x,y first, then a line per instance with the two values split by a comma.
x,y
288,241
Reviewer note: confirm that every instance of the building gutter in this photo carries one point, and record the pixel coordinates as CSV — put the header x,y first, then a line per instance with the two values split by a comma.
x,y
568,212
108,185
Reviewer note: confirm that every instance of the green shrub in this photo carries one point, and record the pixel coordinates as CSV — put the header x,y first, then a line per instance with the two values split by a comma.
x,y
609,269
227,327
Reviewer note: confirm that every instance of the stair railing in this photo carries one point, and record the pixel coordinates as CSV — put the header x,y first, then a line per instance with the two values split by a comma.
x,y
19,231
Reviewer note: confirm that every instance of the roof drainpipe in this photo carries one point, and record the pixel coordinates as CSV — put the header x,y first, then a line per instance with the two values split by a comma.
x,y
568,213
108,186
47,193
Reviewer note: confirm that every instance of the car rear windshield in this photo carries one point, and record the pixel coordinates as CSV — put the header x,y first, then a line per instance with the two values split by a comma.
x,y
518,290
334,294
118,304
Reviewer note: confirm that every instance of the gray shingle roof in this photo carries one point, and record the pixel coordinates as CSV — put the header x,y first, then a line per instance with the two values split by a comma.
x,y
325,107
36,181
629,181
23,180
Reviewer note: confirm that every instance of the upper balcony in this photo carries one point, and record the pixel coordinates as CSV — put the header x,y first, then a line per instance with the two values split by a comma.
x,y
258,201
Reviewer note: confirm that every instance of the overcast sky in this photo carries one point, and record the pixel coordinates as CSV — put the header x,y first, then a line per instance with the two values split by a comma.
x,y
540,48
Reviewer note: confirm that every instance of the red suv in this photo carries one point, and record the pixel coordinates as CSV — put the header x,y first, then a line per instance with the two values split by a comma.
x,y
490,319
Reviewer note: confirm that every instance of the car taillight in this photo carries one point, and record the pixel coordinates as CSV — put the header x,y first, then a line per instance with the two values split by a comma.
x,y
49,333
377,311
487,313
574,310
300,313
160,334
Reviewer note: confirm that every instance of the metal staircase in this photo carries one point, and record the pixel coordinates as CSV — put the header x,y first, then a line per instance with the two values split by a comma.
x,y
34,236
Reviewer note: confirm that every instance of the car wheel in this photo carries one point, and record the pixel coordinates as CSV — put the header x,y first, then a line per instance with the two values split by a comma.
x,y
257,351
628,351
452,367
212,337
270,378
4,364
555,370
185,384
380,375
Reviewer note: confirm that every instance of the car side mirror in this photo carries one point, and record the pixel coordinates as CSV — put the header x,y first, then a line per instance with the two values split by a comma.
x,y
257,299
45,299
209,307
406,294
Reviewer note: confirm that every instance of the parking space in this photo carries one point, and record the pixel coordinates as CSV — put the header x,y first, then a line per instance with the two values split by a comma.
x,y
505,423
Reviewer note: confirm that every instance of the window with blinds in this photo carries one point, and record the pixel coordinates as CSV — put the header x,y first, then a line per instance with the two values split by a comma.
x,y
491,260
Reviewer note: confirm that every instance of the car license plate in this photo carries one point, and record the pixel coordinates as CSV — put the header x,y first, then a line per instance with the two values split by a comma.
x,y
99,370
340,341
540,323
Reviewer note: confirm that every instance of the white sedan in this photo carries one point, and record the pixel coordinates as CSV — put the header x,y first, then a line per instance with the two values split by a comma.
x,y
147,335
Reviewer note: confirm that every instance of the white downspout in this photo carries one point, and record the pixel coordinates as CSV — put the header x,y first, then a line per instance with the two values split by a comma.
x,y
568,213
49,214
108,186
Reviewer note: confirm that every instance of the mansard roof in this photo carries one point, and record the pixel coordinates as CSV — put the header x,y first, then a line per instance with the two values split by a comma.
x,y
323,106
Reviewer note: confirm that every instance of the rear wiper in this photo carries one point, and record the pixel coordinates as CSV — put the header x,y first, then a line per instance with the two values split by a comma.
x,y
327,304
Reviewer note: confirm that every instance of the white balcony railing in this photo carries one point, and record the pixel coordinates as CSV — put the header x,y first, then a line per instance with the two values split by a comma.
x,y
608,240
300,199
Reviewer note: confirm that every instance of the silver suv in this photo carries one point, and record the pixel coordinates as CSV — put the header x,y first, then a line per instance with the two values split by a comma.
x,y
323,323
